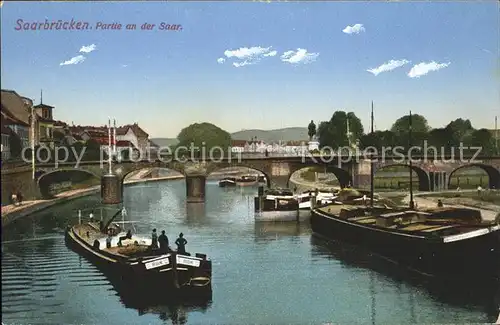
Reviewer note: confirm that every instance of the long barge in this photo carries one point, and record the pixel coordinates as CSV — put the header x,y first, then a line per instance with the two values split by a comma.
x,y
442,241
136,262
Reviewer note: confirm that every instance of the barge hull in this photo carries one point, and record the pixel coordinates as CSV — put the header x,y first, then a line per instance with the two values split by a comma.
x,y
476,256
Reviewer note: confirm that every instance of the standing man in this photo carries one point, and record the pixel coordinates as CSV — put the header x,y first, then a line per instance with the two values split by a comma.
x,y
163,241
154,239
181,244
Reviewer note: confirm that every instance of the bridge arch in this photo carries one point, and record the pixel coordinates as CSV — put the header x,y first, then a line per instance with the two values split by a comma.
x,y
65,177
422,175
343,177
492,172
152,169
221,168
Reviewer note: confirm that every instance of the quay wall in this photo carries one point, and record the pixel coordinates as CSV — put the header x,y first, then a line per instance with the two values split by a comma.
x,y
40,205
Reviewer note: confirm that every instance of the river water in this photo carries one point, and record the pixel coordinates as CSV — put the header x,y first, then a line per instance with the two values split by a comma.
x,y
262,273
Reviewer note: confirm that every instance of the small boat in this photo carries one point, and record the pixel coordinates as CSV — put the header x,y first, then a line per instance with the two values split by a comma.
x,y
279,193
320,198
440,241
261,179
136,261
246,180
277,205
227,182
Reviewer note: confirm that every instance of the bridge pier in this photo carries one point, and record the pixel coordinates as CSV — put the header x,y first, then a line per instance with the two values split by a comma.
x,y
111,189
195,189
282,181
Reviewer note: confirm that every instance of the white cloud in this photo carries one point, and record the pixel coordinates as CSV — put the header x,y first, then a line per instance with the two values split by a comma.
x,y
88,48
388,66
272,53
248,55
124,65
221,60
245,53
242,64
424,68
299,56
74,60
354,29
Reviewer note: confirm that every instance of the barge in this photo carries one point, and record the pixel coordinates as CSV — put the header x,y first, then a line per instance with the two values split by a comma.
x,y
442,241
137,262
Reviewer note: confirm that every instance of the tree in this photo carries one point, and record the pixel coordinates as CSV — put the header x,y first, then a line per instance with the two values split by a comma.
x,y
334,132
204,135
311,130
418,122
484,139
324,134
378,140
15,145
440,138
458,129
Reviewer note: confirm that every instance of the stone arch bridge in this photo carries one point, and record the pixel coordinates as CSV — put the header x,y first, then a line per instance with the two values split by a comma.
x,y
278,170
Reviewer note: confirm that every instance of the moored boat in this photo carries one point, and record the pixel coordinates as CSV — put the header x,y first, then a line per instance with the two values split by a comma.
x,y
134,259
227,182
443,241
313,198
276,205
246,180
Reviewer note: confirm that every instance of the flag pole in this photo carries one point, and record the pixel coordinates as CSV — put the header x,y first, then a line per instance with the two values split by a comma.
x,y
371,164
114,137
109,145
32,142
410,163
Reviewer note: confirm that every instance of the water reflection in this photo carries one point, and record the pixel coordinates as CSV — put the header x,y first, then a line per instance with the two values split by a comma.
x,y
173,309
471,293
267,231
195,213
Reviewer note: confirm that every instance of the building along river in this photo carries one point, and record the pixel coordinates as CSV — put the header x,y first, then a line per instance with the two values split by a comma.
x,y
262,273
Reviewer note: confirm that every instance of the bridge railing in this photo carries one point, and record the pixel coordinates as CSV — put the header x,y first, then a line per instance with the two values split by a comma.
x,y
11,164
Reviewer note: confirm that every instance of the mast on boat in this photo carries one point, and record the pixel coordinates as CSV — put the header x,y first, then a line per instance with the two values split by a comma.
x,y
109,145
410,163
372,172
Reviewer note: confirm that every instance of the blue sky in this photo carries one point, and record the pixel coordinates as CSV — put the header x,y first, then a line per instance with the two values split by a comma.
x,y
166,80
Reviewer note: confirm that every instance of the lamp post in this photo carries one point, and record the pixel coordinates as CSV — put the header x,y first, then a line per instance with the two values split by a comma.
x,y
32,126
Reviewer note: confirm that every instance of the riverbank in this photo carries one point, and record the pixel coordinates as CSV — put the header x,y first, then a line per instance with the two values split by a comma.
x,y
11,213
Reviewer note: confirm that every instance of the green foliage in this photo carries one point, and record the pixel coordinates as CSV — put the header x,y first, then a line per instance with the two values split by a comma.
x,y
334,132
439,140
418,122
204,135
311,129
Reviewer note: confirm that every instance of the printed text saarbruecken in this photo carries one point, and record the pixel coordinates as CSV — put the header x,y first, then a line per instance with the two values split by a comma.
x,y
83,25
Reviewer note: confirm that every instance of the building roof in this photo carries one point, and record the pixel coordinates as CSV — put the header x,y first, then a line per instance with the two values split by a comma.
x,y
238,143
9,119
43,106
124,143
60,123
15,106
96,133
138,131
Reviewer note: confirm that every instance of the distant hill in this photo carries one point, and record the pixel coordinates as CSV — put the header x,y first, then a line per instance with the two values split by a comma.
x,y
286,134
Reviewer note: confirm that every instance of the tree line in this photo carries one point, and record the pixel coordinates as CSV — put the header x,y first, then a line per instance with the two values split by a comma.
x,y
333,133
